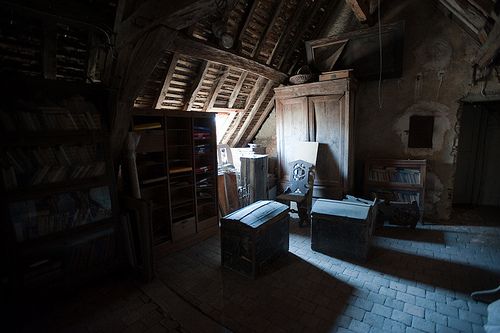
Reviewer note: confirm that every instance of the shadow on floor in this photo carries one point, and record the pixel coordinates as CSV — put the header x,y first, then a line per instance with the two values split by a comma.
x,y
439,273
417,235
284,298
487,216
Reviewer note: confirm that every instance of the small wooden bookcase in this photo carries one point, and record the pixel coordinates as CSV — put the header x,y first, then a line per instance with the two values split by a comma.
x,y
396,180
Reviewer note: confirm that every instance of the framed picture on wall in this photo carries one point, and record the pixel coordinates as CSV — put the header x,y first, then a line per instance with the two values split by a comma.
x,y
359,50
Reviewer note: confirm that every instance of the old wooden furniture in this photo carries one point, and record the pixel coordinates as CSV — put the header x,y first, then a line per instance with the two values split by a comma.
x,y
322,112
177,164
254,235
342,228
299,189
401,181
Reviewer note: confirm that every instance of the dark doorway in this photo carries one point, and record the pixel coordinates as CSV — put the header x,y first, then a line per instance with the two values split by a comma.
x,y
477,178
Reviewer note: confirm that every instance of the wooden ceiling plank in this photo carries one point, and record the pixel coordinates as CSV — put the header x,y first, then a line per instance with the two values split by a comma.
x,y
284,34
216,91
261,120
269,28
253,111
166,81
236,90
176,15
199,50
197,83
248,18
301,32
241,115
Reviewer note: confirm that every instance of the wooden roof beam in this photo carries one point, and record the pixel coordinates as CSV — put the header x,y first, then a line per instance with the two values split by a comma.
x,y
490,49
237,121
166,81
284,34
197,83
269,28
200,50
361,9
176,15
237,88
251,115
248,18
221,79
261,120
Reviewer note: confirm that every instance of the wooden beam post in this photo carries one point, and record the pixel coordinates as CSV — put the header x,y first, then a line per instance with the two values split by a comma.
x,y
132,71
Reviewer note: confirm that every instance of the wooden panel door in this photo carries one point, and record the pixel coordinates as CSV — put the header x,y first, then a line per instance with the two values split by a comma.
x,y
292,126
330,128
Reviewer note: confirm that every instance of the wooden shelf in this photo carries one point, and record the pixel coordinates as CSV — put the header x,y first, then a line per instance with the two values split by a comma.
x,y
38,138
393,185
61,238
42,190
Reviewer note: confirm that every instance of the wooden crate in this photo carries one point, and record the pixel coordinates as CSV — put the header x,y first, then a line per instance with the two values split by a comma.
x,y
342,229
253,236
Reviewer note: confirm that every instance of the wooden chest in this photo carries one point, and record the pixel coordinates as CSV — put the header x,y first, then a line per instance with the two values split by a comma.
x,y
253,236
341,229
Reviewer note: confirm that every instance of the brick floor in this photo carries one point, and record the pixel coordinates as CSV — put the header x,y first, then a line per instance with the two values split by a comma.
x,y
415,281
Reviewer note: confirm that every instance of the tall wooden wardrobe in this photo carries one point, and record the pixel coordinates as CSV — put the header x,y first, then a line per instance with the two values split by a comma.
x,y
319,112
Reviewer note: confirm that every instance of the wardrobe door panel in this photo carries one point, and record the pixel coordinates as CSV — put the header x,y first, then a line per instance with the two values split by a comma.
x,y
292,127
328,113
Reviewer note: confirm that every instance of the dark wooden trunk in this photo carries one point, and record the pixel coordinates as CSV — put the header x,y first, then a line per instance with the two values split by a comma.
x,y
253,236
341,229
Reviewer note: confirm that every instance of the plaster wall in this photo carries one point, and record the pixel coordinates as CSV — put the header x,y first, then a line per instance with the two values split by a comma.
x,y
437,73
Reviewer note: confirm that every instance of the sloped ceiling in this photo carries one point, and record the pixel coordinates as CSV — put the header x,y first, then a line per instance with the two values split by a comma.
x,y
272,33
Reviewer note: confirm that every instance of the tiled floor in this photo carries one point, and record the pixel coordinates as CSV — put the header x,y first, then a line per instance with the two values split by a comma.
x,y
416,280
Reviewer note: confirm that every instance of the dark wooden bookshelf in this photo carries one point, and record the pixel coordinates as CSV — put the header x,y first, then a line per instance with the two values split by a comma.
x,y
396,180
61,190
183,218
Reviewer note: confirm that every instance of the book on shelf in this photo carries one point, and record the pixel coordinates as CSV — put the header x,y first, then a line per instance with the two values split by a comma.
x,y
29,166
147,126
395,175
49,119
58,212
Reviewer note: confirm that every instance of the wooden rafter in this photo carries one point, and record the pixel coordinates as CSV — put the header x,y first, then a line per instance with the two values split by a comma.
x,y
177,15
269,28
166,81
284,34
361,9
237,88
49,49
200,50
253,111
132,71
217,89
298,36
248,18
238,120
197,83
490,49
261,120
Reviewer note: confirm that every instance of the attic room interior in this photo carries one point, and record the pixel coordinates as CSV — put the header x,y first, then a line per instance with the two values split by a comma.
x,y
250,166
